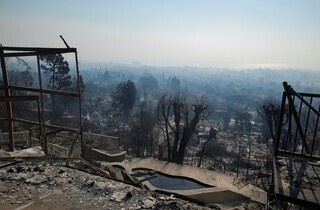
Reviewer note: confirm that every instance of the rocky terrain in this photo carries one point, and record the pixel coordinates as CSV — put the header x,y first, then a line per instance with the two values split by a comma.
x,y
47,185
30,180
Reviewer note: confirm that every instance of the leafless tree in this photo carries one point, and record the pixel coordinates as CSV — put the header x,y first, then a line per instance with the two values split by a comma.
x,y
180,118
212,136
269,110
244,127
19,72
143,135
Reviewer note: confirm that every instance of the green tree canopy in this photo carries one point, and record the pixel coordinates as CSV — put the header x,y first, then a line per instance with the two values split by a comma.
x,y
59,69
124,97
142,134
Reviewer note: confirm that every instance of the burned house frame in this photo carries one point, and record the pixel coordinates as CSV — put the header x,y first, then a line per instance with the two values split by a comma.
x,y
38,94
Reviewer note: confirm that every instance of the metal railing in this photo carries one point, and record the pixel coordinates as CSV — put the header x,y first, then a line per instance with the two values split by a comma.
x,y
22,136
298,132
99,140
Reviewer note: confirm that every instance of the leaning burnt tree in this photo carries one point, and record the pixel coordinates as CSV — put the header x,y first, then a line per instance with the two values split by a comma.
x,y
180,119
269,110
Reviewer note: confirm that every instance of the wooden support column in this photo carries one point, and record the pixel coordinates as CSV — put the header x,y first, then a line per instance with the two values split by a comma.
x,y
80,103
40,111
8,103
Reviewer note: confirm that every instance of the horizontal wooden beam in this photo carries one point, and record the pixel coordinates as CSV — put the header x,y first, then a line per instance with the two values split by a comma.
x,y
9,164
38,158
63,128
284,153
25,121
37,49
310,95
22,54
48,91
19,98
47,125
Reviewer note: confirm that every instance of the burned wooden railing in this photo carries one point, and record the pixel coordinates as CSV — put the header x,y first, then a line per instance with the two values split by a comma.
x,y
298,132
22,136
296,150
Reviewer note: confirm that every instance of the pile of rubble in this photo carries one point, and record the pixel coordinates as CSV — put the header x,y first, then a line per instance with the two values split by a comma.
x,y
48,185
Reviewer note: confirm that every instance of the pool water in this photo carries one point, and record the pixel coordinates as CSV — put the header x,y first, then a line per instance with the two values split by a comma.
x,y
166,182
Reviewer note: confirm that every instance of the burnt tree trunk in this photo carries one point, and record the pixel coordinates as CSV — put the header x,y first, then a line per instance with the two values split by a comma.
x,y
189,129
180,113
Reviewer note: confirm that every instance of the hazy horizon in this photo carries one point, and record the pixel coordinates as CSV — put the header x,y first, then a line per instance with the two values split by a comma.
x,y
213,34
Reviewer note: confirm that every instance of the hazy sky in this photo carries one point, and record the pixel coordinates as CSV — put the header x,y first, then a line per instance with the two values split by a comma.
x,y
205,33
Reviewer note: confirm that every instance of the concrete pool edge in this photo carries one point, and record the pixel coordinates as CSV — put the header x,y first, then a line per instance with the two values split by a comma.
x,y
219,194
203,185
204,195
223,182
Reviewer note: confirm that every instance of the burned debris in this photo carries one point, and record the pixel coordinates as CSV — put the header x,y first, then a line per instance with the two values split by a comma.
x,y
59,164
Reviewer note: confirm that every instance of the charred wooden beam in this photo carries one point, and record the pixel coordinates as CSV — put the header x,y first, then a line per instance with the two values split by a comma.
x,y
47,125
296,154
9,164
23,54
36,158
289,89
19,98
48,91
8,103
36,49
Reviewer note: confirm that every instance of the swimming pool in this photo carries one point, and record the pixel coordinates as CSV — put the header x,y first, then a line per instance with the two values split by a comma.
x,y
168,182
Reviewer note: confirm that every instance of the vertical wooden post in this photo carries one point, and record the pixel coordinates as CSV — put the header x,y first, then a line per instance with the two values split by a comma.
x,y
8,102
29,139
41,111
80,101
